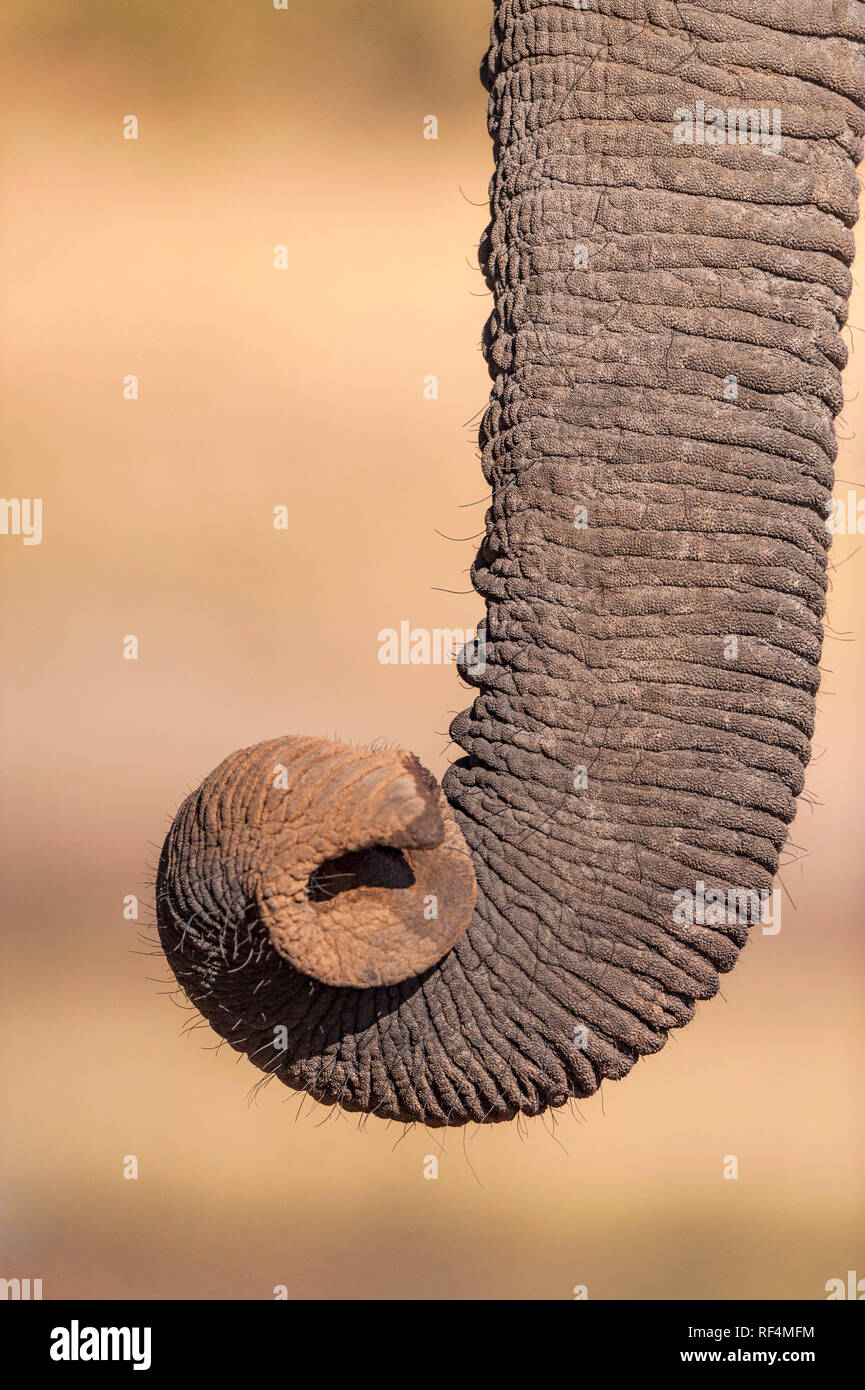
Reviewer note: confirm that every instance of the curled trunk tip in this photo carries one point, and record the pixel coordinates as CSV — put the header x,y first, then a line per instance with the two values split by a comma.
x,y
350,859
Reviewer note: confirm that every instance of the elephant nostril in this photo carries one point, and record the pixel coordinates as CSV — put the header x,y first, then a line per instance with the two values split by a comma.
x,y
350,860
380,866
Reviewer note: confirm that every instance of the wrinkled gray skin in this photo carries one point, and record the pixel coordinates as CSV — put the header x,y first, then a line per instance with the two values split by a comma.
x,y
605,644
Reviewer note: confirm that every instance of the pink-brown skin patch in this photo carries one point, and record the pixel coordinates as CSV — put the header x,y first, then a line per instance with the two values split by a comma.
x,y
351,859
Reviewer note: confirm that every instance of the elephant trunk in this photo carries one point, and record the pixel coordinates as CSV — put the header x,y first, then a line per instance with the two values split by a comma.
x,y
350,860
669,255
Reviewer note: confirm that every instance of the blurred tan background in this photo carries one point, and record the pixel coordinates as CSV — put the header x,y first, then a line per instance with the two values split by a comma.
x,y
305,388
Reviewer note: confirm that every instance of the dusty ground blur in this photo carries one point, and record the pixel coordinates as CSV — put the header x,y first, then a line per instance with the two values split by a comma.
x,y
306,388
